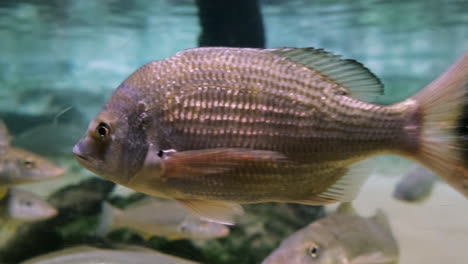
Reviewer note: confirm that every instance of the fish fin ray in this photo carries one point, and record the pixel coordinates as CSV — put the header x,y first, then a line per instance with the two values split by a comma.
x,y
347,187
354,76
214,211
213,161
442,140
375,258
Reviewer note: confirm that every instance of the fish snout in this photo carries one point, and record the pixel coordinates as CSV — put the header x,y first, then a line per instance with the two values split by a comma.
x,y
50,212
83,150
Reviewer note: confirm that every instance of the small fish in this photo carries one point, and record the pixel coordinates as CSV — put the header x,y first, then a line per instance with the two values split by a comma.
x,y
160,218
23,206
217,127
18,166
416,186
91,255
342,238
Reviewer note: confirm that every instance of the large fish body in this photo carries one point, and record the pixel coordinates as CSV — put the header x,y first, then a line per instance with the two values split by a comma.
x,y
342,238
160,218
214,127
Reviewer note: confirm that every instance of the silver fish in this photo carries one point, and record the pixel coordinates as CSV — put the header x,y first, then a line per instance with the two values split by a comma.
x,y
90,255
160,218
23,206
342,238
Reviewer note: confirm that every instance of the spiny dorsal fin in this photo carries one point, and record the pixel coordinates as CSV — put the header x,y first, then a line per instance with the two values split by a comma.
x,y
352,75
346,208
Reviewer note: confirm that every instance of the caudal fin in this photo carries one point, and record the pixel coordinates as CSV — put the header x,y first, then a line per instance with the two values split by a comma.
x,y
443,147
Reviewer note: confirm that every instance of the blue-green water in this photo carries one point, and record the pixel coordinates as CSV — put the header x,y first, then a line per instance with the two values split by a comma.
x,y
60,54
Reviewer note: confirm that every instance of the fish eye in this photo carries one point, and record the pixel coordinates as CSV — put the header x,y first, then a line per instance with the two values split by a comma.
x,y
29,164
160,153
103,129
313,251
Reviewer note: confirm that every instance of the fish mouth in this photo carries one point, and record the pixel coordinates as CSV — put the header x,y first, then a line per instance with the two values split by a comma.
x,y
78,154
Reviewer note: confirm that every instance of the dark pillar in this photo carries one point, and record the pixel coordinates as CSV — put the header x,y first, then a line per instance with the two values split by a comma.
x,y
232,23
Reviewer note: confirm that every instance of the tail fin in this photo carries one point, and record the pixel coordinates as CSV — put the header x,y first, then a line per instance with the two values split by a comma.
x,y
444,108
106,219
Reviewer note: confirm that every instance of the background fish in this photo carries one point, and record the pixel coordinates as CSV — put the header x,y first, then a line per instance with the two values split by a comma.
x,y
90,255
216,127
19,205
160,218
416,186
18,166
342,238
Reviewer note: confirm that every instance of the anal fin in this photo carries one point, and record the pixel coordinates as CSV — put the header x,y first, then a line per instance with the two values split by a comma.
x,y
214,211
348,186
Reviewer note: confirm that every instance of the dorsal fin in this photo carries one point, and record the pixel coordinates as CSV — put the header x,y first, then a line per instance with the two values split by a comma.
x,y
352,75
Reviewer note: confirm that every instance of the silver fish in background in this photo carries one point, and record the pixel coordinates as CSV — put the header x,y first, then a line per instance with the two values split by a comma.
x,y
91,255
342,238
23,206
18,166
217,127
416,186
160,218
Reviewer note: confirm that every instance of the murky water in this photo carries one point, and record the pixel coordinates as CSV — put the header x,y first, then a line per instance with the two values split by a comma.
x,y
61,60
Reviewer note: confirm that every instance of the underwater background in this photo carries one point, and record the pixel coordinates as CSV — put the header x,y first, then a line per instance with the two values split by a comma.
x,y
60,60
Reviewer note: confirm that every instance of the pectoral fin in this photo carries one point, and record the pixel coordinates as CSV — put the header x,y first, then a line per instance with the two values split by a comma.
x,y
214,211
213,161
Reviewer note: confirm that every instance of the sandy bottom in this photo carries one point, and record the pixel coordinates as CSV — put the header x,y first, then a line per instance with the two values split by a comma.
x,y
435,231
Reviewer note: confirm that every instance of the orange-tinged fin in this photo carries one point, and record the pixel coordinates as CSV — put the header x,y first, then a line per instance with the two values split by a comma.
x,y
352,75
212,161
215,211
348,186
443,147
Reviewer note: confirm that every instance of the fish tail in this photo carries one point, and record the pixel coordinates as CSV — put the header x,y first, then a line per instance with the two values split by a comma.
x,y
442,120
106,219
